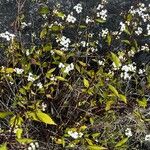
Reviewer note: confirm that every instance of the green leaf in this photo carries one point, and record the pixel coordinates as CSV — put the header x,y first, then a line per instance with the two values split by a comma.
x,y
96,147
113,89
109,39
100,21
60,78
22,91
9,70
43,33
47,47
116,60
5,114
142,103
3,146
32,115
122,142
19,133
49,73
25,140
123,98
45,118
60,53
108,105
86,83
44,10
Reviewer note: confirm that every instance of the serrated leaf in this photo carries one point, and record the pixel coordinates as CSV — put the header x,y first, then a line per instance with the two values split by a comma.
x,y
5,114
122,142
86,83
114,90
3,146
45,118
25,140
123,98
116,60
96,147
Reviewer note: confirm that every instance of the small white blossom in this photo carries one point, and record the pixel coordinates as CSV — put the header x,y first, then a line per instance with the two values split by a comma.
x,y
31,77
104,32
61,65
88,20
100,6
128,132
40,85
147,137
101,63
148,29
64,41
27,52
18,71
75,134
78,8
69,68
102,14
123,26
139,31
71,18
44,106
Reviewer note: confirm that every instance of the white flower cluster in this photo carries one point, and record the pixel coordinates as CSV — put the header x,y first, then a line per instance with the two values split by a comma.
x,y
141,11
18,70
33,146
68,68
75,134
64,41
24,24
78,8
145,48
102,14
53,78
8,36
128,132
126,69
71,18
101,63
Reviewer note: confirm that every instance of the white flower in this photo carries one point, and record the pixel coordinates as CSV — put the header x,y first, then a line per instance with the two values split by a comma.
x,y
30,77
88,19
100,6
125,75
61,65
18,71
84,44
75,134
139,31
147,137
44,106
8,36
100,62
32,145
123,26
40,85
64,41
104,32
27,52
128,132
36,144
128,68
102,14
69,68
148,29
71,18
78,8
